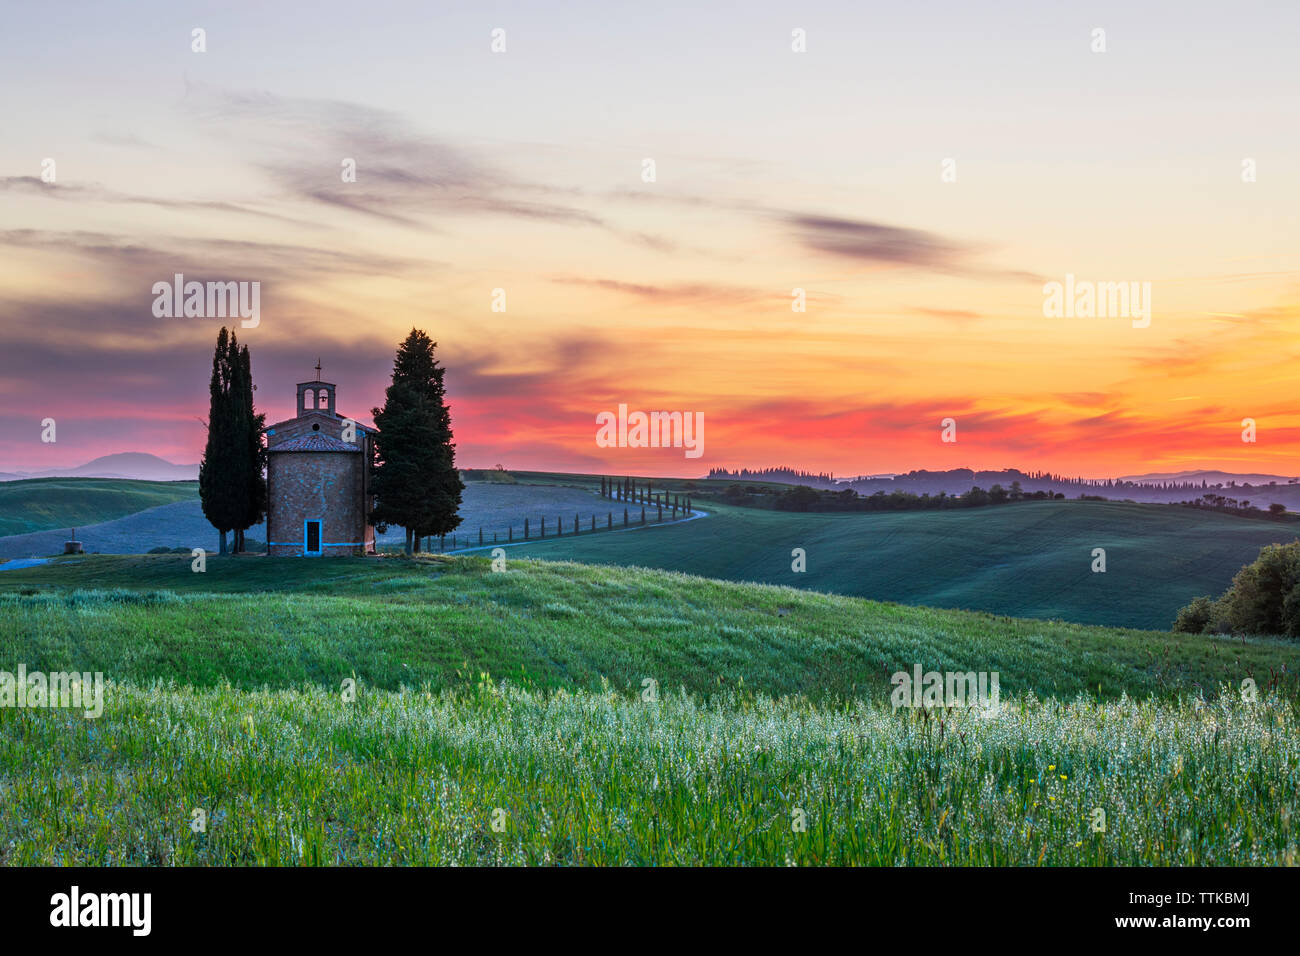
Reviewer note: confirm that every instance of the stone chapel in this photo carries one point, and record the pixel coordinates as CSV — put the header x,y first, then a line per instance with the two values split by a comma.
x,y
317,479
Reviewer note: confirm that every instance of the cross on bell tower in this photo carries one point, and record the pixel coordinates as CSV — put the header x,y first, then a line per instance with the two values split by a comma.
x,y
316,395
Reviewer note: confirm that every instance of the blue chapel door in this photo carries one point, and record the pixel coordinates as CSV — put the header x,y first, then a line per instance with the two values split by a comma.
x,y
311,536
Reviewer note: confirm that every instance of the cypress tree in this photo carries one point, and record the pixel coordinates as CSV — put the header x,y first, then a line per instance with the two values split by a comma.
x,y
247,447
232,489
220,479
416,483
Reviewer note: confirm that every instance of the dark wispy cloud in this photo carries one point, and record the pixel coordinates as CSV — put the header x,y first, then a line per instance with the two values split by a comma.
x,y
32,185
873,242
1085,399
859,240
124,140
684,293
401,176
959,316
131,261
120,356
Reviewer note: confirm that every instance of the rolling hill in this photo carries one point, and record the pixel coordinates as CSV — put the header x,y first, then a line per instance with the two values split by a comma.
x,y
613,716
134,465
1031,559
257,621
38,504
138,516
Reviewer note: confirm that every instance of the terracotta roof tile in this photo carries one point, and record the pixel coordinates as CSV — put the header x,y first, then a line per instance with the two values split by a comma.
x,y
315,441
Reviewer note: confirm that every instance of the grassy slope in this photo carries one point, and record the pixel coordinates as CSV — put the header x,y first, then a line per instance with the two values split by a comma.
x,y
40,504
301,777
586,774
1027,560
281,622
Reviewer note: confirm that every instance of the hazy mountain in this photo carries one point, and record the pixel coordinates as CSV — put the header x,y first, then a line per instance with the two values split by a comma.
x,y
128,464
1183,486
1209,477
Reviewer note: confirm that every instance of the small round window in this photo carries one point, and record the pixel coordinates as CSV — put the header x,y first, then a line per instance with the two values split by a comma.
x,y
315,428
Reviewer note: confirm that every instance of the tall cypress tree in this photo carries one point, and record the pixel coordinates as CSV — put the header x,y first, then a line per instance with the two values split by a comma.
x,y
220,486
232,488
247,445
416,484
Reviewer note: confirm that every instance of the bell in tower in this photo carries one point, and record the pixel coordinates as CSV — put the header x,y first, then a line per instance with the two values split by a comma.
x,y
316,396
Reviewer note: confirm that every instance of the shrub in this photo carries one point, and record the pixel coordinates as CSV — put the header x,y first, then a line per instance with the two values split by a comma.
x,y
1264,598
798,498
1195,618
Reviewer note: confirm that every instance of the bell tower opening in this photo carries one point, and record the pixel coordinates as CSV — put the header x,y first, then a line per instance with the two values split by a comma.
x,y
321,396
316,397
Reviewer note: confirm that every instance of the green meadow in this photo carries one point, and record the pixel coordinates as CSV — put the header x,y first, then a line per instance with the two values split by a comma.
x,y
1029,559
605,715
43,504
299,777
254,621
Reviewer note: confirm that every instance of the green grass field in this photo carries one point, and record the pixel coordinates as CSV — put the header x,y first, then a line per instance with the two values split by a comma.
x,y
254,621
1031,559
42,504
523,692
298,777
1028,560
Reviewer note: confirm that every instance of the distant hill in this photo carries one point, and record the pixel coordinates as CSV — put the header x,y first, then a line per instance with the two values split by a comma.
x,y
780,475
1258,489
41,504
1209,477
117,516
1031,559
136,465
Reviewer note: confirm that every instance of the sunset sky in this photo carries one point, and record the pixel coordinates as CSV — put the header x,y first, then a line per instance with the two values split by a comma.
x,y
775,170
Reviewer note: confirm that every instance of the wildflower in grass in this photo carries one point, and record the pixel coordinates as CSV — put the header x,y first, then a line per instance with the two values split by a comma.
x,y
715,774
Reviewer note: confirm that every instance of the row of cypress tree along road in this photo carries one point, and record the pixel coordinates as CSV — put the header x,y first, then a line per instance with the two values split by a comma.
x,y
415,480
232,487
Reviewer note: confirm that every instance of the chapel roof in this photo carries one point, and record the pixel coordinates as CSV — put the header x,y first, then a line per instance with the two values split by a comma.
x,y
315,441
322,413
